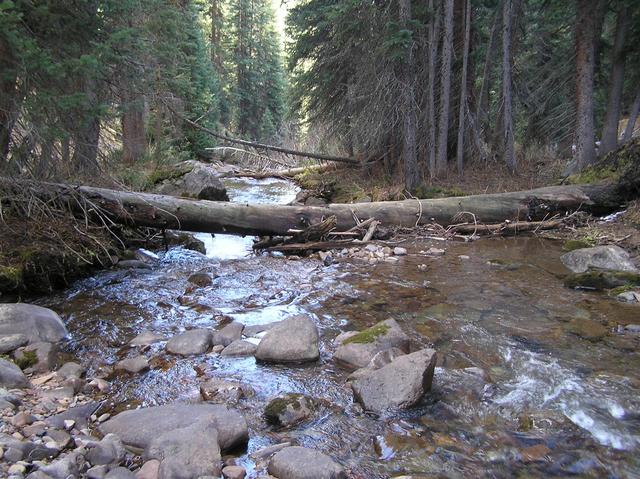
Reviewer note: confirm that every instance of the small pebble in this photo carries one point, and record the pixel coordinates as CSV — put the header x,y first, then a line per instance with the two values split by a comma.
x,y
398,251
104,417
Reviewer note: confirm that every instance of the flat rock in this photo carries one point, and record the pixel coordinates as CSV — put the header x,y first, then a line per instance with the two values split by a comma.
x,y
11,342
146,338
194,341
230,333
11,376
240,347
187,452
293,340
79,414
133,365
302,463
138,427
609,257
398,385
358,350
35,322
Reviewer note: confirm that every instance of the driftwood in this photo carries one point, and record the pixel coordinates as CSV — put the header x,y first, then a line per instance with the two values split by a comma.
x,y
167,212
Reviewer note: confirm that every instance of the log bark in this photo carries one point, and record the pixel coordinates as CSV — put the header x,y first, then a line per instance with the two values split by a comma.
x,y
168,212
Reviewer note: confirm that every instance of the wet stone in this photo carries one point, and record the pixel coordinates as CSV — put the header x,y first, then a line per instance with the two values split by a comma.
x,y
133,365
240,347
227,335
11,376
35,322
293,340
146,338
289,409
223,391
302,463
195,341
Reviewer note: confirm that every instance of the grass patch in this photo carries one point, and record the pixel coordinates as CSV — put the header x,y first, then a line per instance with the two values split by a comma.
x,y
369,335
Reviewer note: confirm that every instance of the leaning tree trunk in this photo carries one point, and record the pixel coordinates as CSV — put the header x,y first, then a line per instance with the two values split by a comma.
x,y
445,90
410,117
585,64
609,140
168,212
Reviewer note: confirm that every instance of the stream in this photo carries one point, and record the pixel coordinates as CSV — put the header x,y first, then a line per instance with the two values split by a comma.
x,y
533,379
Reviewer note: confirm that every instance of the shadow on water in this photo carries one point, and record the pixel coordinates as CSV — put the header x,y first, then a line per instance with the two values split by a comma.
x,y
533,379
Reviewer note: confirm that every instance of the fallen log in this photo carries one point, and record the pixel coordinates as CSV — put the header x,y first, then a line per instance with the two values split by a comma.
x,y
286,173
167,212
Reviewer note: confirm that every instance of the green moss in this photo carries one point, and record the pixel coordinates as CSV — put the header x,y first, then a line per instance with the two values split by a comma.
x,y
279,405
573,244
27,359
164,173
621,289
601,280
619,166
10,277
369,335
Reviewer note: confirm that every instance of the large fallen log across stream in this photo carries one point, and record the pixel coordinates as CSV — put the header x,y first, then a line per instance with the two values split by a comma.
x,y
167,212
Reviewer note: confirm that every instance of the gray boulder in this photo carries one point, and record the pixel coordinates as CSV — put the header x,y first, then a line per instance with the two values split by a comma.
x,y
193,179
289,409
254,329
302,463
11,342
70,370
146,338
398,385
195,341
133,365
188,452
35,322
109,451
230,333
46,355
358,350
609,257
11,376
138,427
293,340
240,347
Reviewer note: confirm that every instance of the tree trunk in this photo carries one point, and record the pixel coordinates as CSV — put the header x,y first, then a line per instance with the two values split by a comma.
x,y
463,89
434,35
168,212
445,90
585,33
134,142
482,111
410,120
507,95
609,140
633,117
8,98
215,12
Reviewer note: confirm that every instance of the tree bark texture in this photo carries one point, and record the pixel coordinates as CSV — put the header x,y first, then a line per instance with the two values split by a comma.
x,y
463,89
434,36
507,90
445,90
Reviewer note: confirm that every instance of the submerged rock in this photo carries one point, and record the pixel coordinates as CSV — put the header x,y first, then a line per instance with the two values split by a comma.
x,y
608,257
288,409
34,322
195,341
146,338
223,390
600,280
138,427
293,340
230,333
358,350
398,385
302,463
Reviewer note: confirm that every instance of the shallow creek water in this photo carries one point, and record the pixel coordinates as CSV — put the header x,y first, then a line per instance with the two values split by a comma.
x,y
558,395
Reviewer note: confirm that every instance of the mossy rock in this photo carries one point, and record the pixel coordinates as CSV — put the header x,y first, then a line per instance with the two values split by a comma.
x,y
288,409
369,335
26,360
573,244
10,278
171,172
601,280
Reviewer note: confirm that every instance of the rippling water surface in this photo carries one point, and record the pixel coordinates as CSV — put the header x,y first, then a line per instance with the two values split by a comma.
x,y
533,379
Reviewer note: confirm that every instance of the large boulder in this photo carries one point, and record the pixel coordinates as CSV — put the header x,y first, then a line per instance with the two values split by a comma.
x,y
294,340
35,322
194,341
187,452
138,427
11,376
192,179
302,463
608,257
398,385
358,350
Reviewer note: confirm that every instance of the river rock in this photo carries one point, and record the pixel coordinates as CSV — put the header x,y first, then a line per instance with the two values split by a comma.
x,y
133,365
187,452
293,340
11,342
11,376
146,338
35,322
380,360
398,385
149,470
201,279
234,472
79,414
288,409
70,370
230,333
193,179
46,356
108,451
195,341
358,350
132,264
62,468
302,463
254,329
138,427
224,390
609,257
240,347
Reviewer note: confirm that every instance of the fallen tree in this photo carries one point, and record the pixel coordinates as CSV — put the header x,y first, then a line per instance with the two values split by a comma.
x,y
167,212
